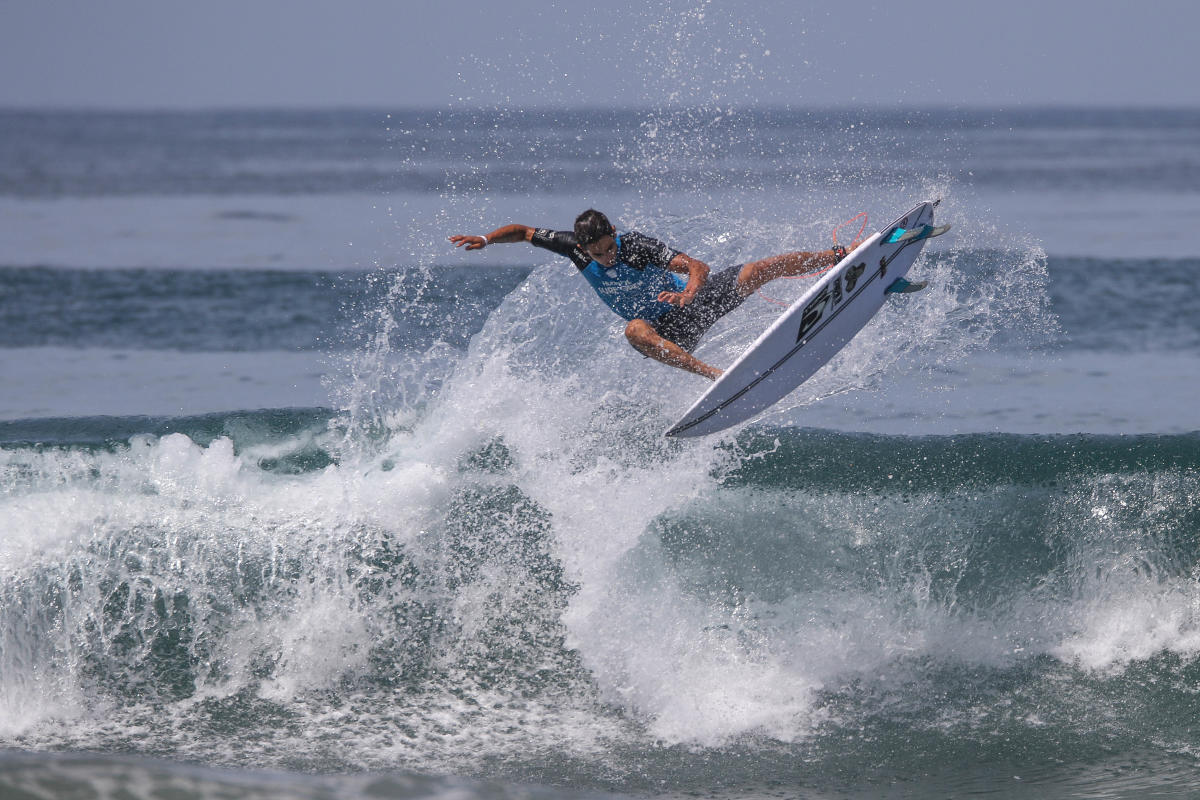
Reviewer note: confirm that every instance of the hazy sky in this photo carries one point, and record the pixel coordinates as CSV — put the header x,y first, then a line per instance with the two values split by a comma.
x,y
410,53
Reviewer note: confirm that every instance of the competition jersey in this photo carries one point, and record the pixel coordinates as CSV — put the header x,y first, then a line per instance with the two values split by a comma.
x,y
630,287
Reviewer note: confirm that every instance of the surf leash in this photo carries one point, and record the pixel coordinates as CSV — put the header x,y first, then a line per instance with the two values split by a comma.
x,y
858,237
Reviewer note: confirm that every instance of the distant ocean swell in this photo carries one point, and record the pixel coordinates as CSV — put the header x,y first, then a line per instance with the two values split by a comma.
x,y
64,154
1102,304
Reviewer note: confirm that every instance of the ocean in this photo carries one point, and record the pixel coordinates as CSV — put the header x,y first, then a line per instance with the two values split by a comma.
x,y
297,500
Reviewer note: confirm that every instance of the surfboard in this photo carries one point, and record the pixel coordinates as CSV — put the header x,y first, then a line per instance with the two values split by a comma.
x,y
814,328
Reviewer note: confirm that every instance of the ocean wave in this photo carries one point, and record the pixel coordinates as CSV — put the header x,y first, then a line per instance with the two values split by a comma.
x,y
812,588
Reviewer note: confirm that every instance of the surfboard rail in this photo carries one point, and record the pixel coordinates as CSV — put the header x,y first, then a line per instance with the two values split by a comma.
x,y
813,328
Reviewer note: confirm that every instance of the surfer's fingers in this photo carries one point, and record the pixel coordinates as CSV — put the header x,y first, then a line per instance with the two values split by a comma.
x,y
674,298
469,241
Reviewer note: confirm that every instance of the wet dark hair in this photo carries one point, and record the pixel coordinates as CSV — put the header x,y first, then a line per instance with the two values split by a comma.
x,y
592,226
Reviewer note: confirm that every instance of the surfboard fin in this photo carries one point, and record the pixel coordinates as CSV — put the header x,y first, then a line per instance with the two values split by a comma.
x,y
923,232
902,286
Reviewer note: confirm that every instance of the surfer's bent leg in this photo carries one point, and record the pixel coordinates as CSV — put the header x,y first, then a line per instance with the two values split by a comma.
x,y
757,273
646,341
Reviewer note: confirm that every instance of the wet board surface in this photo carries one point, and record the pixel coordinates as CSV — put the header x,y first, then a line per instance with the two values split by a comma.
x,y
813,329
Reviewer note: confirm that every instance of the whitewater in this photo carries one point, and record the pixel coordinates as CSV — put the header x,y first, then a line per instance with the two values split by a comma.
x,y
280,519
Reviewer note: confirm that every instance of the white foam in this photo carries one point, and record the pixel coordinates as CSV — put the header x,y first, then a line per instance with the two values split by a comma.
x,y
1134,621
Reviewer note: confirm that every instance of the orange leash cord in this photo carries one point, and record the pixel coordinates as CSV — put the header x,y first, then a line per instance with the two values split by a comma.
x,y
853,244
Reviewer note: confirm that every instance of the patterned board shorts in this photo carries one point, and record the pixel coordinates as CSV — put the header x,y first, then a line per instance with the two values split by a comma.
x,y
716,298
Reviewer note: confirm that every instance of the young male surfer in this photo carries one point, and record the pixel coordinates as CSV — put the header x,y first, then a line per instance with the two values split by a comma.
x,y
641,279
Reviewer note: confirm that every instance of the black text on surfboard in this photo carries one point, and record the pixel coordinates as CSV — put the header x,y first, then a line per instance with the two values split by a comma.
x,y
830,296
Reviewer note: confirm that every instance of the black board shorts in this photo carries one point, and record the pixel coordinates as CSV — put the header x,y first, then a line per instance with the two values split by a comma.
x,y
717,297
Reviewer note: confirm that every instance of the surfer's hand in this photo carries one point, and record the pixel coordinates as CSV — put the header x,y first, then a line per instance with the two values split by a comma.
x,y
680,299
471,242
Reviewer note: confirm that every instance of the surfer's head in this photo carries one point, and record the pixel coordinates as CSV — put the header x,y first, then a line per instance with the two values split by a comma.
x,y
596,235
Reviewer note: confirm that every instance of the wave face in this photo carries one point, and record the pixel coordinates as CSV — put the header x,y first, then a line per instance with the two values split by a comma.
x,y
854,604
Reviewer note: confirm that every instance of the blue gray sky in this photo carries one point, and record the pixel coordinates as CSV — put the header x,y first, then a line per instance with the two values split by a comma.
x,y
524,53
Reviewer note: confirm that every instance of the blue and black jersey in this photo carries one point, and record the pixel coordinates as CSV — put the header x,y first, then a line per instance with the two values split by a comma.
x,y
630,287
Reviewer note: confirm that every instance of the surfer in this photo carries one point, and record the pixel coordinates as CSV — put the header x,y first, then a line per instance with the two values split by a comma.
x,y
643,281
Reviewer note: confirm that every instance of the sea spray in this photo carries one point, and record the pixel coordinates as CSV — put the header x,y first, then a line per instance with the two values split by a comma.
x,y
484,559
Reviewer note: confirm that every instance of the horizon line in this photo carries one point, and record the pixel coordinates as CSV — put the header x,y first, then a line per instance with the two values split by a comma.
x,y
590,109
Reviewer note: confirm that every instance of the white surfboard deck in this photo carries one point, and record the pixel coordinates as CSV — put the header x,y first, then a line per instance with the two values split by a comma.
x,y
810,332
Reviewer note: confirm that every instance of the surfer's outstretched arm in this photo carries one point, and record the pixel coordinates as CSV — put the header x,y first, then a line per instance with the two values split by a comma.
x,y
503,235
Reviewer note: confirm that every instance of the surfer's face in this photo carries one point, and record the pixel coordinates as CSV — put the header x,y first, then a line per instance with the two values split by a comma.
x,y
604,251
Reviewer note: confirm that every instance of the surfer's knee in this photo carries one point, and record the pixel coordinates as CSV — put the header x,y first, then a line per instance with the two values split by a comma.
x,y
642,337
639,331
